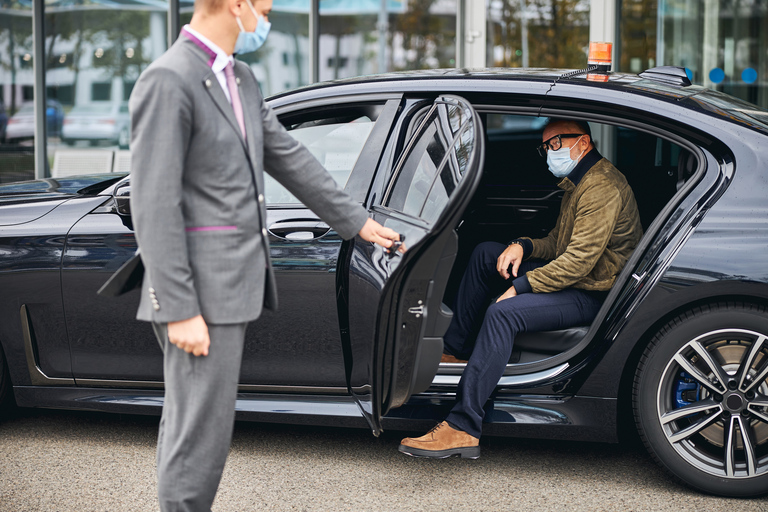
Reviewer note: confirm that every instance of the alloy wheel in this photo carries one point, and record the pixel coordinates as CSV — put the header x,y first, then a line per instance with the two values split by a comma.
x,y
712,403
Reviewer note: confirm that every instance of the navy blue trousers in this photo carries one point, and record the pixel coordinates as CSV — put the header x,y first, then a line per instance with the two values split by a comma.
x,y
485,334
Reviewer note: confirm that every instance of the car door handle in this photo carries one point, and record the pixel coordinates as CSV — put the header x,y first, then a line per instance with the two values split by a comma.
x,y
418,311
299,236
527,212
398,246
300,230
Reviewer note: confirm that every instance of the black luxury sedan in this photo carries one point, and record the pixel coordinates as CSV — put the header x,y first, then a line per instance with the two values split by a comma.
x,y
678,352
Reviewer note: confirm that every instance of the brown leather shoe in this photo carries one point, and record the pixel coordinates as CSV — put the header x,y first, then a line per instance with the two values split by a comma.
x,y
441,442
447,358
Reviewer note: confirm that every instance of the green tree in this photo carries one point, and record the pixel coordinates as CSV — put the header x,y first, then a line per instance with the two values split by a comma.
x,y
558,33
560,37
124,30
638,33
114,35
432,37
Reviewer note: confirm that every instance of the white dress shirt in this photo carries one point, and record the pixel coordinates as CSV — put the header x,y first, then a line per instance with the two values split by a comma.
x,y
221,61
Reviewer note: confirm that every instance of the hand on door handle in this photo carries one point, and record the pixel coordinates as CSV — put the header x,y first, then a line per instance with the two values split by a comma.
x,y
398,246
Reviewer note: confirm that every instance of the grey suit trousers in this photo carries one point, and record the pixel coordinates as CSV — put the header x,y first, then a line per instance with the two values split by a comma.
x,y
198,418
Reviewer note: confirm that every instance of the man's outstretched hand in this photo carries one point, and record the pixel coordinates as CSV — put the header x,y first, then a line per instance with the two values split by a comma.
x,y
374,232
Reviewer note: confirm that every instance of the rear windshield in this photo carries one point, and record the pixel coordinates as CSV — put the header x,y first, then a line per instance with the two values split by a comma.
x,y
734,109
726,106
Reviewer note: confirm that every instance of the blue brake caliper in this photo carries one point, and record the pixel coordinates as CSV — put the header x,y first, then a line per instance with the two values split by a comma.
x,y
687,390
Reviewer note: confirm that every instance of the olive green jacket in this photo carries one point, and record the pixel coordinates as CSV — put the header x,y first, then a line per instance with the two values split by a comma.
x,y
595,234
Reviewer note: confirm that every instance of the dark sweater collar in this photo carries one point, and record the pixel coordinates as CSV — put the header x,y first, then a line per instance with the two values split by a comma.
x,y
584,165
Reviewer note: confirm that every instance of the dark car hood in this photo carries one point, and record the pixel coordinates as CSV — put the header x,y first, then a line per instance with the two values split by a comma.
x,y
25,201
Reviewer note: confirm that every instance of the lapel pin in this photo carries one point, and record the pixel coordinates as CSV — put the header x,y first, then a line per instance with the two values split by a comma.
x,y
208,83
237,80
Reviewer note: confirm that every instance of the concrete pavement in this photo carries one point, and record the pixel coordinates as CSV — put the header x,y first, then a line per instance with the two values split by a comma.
x,y
79,461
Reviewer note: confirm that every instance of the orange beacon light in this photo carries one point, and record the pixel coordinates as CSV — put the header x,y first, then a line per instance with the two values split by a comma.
x,y
600,55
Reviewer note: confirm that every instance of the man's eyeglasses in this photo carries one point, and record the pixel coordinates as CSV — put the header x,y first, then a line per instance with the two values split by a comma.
x,y
555,143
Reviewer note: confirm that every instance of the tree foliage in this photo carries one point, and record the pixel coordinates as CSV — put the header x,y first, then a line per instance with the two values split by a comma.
x,y
428,39
117,33
558,33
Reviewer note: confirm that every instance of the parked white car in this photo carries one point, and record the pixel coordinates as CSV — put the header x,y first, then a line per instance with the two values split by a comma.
x,y
98,122
22,125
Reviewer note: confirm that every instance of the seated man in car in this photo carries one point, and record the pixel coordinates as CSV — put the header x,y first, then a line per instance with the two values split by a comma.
x,y
556,282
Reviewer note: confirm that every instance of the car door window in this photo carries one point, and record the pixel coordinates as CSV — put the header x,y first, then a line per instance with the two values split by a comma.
x,y
337,145
435,163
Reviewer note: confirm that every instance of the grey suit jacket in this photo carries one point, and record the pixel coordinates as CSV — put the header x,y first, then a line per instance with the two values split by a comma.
x,y
196,190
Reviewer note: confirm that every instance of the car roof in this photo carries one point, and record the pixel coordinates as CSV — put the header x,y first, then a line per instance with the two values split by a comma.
x,y
545,75
658,83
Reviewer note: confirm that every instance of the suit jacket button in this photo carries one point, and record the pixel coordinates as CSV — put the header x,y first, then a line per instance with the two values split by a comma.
x,y
156,307
152,291
237,80
264,231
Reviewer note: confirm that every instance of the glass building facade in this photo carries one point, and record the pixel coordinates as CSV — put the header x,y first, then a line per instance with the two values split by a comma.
x,y
723,44
67,67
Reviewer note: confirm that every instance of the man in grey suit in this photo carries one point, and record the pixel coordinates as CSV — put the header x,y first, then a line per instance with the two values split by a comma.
x,y
202,137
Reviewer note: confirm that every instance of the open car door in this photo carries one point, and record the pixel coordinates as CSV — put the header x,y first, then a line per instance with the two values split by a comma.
x,y
390,302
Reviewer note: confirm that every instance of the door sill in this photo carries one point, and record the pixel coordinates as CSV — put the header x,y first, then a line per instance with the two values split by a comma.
x,y
449,374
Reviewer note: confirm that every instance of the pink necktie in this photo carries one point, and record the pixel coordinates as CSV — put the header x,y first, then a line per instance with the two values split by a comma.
x,y
229,72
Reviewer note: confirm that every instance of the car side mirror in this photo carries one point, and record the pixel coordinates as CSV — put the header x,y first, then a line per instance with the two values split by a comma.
x,y
123,199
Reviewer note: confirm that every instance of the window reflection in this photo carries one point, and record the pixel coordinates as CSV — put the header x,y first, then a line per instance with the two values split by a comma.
x,y
462,150
336,146
360,38
283,62
17,125
95,52
638,35
721,43
434,166
538,33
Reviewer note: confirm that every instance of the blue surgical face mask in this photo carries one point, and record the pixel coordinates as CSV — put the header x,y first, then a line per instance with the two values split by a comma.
x,y
248,42
560,162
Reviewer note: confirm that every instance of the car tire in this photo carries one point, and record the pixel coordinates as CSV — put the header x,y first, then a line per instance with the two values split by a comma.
x,y
700,383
